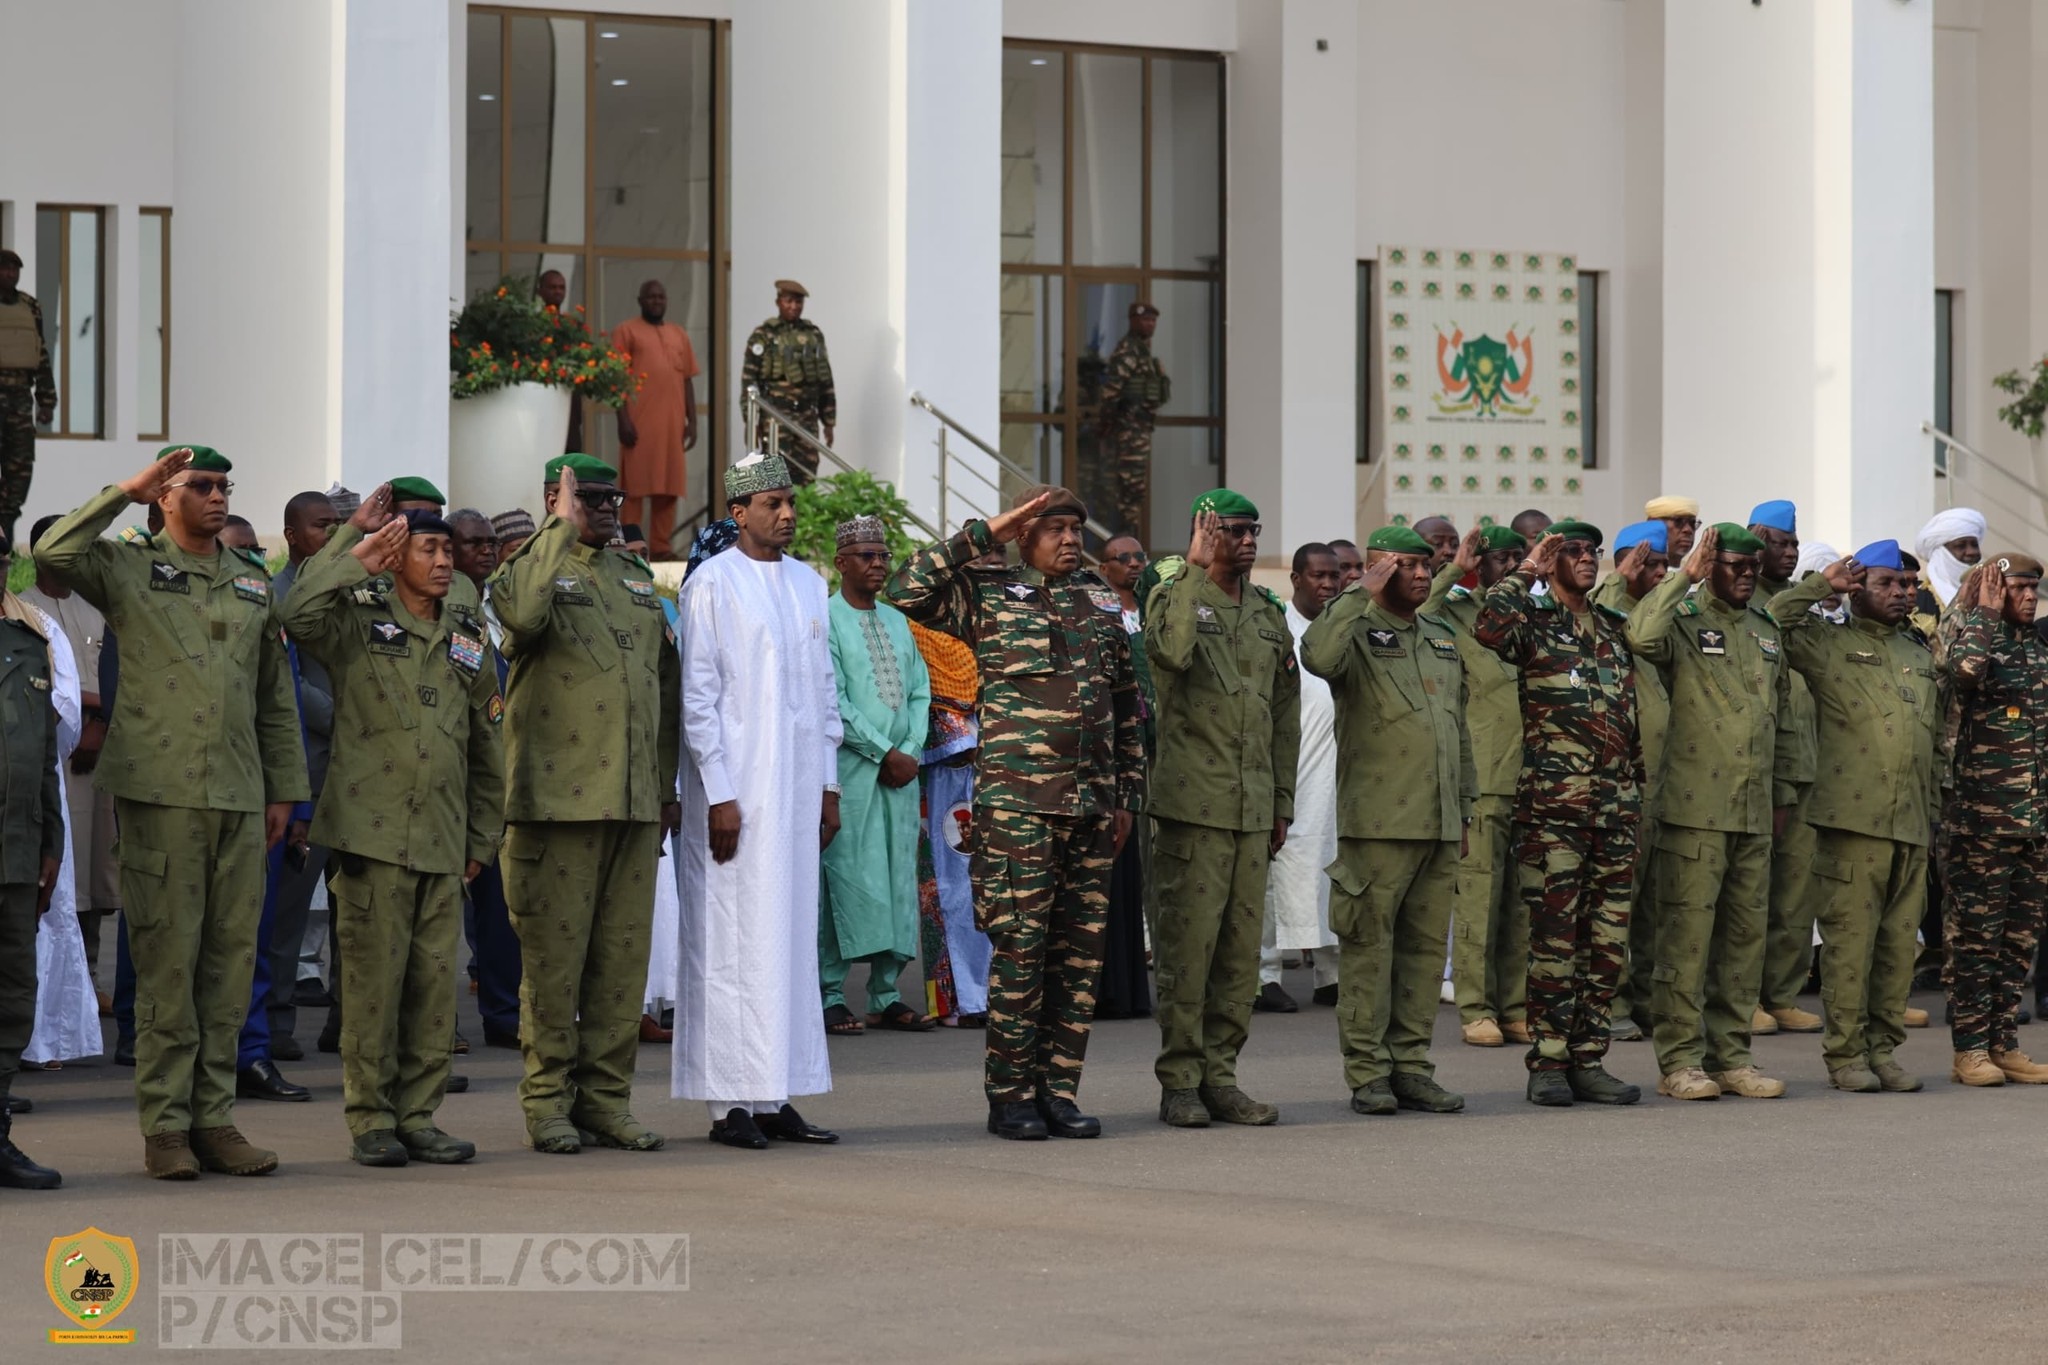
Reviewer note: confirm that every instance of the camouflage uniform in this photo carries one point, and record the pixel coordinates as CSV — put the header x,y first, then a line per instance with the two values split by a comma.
x,y
1788,940
1653,720
1876,702
1229,735
1490,927
1994,855
25,383
1578,806
789,362
1727,679
1405,787
1134,388
1061,751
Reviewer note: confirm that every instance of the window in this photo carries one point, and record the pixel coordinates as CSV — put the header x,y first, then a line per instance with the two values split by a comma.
x,y
1944,375
1112,191
71,279
596,148
153,328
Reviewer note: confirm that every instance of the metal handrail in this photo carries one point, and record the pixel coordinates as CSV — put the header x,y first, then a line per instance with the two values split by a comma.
x,y
1954,471
753,405
948,424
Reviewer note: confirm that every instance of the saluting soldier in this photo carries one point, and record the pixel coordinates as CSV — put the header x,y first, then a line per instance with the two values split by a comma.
x,y
413,809
1229,719
1877,706
410,493
1134,387
786,357
593,705
1726,673
1061,773
204,759
1405,787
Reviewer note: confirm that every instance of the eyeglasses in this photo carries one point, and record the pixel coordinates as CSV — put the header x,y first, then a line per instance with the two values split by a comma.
x,y
1241,530
867,556
596,497
1131,557
1744,566
1578,549
207,487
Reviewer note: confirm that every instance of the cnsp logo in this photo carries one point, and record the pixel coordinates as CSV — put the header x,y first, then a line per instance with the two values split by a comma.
x,y
91,1277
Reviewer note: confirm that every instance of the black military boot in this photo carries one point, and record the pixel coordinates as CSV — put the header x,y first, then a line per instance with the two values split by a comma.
x,y
1063,1118
1015,1119
1593,1085
17,1171
1549,1089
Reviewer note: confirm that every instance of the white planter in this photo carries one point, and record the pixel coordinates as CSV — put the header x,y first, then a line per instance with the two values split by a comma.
x,y
497,443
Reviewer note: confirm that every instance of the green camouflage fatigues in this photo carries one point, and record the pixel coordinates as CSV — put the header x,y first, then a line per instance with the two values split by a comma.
x,y
1405,786
204,734
1578,806
1229,736
593,702
789,363
1994,857
1878,710
1788,939
1061,751
1134,388
1653,721
25,381
1490,927
33,817
1725,671
415,790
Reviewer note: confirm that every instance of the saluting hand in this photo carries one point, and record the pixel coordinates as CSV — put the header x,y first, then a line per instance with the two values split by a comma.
x,y
1202,544
1470,550
375,511
380,551
1542,561
1845,575
1700,562
156,477
1378,573
1005,527
1630,565
569,507
1990,586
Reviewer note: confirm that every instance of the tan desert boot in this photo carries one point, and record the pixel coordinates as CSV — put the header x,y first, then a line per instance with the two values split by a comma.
x,y
1689,1083
1792,1019
2020,1068
1749,1083
1975,1068
1516,1032
1916,1017
1761,1023
1483,1033
168,1156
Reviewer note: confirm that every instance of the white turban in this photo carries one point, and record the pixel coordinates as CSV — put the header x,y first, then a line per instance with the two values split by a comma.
x,y
1941,571
1814,556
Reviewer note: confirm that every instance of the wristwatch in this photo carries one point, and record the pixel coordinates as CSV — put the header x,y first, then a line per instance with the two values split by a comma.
x,y
832,787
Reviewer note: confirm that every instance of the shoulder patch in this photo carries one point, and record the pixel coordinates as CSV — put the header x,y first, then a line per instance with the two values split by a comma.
x,y
257,559
1272,598
1613,613
1170,568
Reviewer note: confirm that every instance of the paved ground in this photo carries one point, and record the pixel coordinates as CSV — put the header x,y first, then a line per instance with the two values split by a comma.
x,y
1816,1228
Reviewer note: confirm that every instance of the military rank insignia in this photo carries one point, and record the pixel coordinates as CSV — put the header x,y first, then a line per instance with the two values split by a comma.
x,y
429,696
1444,649
367,597
1106,600
1020,591
1385,642
1769,647
465,653
638,587
388,637
1713,642
252,589
168,578
494,709
571,590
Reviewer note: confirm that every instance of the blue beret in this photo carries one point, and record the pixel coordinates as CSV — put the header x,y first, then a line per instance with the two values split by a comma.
x,y
1880,554
1655,534
1779,516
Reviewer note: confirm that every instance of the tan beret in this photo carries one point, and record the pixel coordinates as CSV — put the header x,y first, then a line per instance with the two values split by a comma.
x,y
2013,564
1142,309
1660,508
791,287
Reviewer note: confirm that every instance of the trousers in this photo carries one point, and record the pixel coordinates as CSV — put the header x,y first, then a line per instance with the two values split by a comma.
x,y
1490,929
1713,890
1205,955
398,930
1576,882
1788,939
1872,894
1390,907
1997,894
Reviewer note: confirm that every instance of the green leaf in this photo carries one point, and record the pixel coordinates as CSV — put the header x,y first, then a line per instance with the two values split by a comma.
x,y
846,495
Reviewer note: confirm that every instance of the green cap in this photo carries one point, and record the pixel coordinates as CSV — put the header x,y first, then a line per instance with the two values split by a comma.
x,y
1398,540
1737,540
1502,538
586,467
203,457
413,488
1225,503
1576,530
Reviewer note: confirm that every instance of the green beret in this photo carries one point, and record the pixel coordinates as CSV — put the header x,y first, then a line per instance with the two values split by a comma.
x,y
203,457
1576,530
1224,503
1398,540
587,467
1737,540
1502,538
413,488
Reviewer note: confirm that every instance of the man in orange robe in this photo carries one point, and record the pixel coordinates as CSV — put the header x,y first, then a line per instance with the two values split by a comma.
x,y
660,423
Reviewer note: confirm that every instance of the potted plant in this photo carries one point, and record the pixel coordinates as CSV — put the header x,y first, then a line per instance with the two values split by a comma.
x,y
515,365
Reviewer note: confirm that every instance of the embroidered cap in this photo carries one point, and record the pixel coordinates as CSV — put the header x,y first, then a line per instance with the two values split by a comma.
x,y
862,530
760,472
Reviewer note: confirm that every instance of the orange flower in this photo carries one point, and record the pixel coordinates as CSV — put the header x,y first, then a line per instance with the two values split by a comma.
x,y
501,292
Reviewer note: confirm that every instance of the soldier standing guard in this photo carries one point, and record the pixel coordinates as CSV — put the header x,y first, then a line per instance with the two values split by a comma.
x,y
1229,689
594,697
1578,805
1061,773
412,808
25,383
205,760
1134,388
1405,786
786,359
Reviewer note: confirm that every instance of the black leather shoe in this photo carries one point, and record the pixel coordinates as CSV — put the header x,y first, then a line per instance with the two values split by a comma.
x,y
501,1037
786,1125
20,1104
738,1130
1271,999
1063,1118
1015,1119
124,1052
456,1085
285,1048
262,1081
1324,995
18,1172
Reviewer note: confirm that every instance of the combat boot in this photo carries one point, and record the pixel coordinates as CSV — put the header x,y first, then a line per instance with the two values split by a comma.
x,y
622,1131
1182,1109
1412,1090
18,1172
1855,1078
1792,1019
2020,1068
435,1147
1975,1068
1483,1033
1760,1023
378,1147
225,1151
1749,1083
1895,1078
1688,1083
1016,1120
1374,1097
1515,1030
1627,1031
1549,1089
1231,1105
554,1135
1593,1085
168,1156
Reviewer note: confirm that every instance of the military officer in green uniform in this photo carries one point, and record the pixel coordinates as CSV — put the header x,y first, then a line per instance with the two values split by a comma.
x,y
32,852
785,357
1724,667
1222,791
1490,928
413,809
592,723
1134,387
204,759
1405,788
1878,713
410,493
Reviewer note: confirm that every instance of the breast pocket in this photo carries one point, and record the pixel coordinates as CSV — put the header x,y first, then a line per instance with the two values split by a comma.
x,y
1026,651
